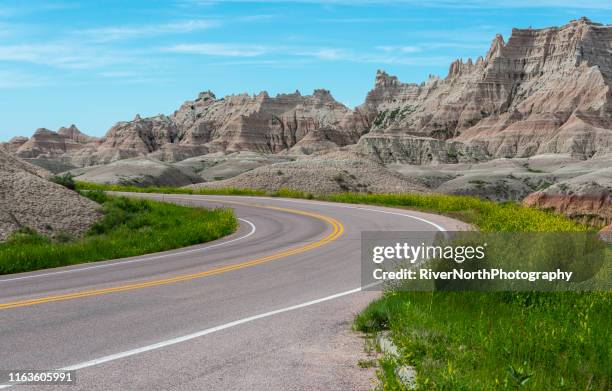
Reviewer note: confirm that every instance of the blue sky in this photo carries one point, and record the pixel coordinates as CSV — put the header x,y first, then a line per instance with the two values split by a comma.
x,y
93,63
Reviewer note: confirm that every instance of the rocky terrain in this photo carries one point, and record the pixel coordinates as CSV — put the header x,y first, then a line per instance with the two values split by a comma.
x,y
136,171
47,143
54,151
29,200
543,91
148,171
206,125
586,197
334,172
533,115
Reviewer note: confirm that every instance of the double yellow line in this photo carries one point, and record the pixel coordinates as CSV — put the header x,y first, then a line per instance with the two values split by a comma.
x,y
337,231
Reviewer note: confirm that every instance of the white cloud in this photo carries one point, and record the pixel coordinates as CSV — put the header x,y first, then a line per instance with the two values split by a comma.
x,y
326,54
457,45
118,74
379,57
125,76
36,53
218,49
400,49
113,33
256,18
63,55
424,46
29,7
247,62
281,54
17,79
377,20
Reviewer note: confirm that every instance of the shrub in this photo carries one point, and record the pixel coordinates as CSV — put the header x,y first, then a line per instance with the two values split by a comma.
x,y
66,180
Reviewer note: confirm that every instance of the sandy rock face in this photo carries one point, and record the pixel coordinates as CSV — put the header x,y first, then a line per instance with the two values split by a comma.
x,y
130,139
137,171
235,123
142,135
218,166
29,200
408,149
513,179
263,123
328,173
73,133
586,197
544,91
47,143
15,143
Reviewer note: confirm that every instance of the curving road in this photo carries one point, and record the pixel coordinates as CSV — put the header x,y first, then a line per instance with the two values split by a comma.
x,y
265,308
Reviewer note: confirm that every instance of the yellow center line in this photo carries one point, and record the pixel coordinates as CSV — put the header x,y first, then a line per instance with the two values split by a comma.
x,y
337,231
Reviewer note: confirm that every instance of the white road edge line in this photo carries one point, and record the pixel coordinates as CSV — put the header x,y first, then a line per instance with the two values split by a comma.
x,y
197,334
202,333
251,232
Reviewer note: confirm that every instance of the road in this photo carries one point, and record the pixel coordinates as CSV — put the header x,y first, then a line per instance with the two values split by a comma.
x,y
266,308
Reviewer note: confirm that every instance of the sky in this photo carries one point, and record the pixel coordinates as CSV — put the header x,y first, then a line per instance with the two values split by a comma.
x,y
93,63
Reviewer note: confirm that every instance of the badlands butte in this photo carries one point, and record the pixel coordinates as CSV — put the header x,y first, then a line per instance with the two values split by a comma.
x,y
531,121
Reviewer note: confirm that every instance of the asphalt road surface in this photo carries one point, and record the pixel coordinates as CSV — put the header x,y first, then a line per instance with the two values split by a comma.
x,y
266,308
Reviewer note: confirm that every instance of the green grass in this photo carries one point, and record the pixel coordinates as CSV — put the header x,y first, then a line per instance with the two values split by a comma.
x,y
486,215
485,341
205,191
129,227
482,340
168,190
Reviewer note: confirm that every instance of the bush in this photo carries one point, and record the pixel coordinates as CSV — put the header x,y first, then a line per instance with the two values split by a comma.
x,y
26,237
96,195
66,180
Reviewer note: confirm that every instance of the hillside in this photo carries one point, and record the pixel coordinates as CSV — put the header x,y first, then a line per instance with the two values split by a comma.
x,y
28,200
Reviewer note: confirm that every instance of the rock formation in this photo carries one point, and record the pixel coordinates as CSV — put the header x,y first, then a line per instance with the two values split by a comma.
x,y
15,143
587,197
139,172
262,123
334,172
27,200
73,133
130,139
48,143
544,91
235,123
